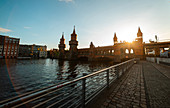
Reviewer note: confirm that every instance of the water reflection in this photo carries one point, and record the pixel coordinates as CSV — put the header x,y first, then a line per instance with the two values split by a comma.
x,y
61,67
72,70
20,76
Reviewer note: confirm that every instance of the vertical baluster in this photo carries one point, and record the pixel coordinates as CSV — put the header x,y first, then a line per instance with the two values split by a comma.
x,y
107,78
83,91
117,71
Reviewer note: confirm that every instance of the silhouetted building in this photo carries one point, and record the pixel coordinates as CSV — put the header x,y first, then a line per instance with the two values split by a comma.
x,y
73,52
9,47
62,47
117,52
120,51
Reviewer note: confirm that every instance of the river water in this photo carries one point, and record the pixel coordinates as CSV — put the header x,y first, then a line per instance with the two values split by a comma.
x,y
21,76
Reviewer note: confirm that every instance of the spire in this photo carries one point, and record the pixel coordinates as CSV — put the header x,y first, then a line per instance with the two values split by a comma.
x,y
139,34
91,45
63,35
74,32
115,38
139,31
115,35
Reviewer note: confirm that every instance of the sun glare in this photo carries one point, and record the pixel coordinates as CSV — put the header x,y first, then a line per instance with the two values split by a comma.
x,y
127,34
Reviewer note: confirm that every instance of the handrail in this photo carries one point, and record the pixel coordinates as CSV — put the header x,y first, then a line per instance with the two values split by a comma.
x,y
27,96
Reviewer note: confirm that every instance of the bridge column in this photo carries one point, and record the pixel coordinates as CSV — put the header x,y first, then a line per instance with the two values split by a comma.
x,y
157,51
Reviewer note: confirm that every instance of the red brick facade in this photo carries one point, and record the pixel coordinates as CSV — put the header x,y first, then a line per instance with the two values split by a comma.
x,y
9,47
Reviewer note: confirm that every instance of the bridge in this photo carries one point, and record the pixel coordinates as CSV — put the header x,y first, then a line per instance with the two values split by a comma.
x,y
156,48
133,83
117,52
124,50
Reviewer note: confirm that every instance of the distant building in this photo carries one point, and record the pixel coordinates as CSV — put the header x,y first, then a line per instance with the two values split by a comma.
x,y
53,53
35,51
9,47
25,50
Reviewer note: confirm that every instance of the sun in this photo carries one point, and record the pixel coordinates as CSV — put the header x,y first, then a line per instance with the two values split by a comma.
x,y
127,34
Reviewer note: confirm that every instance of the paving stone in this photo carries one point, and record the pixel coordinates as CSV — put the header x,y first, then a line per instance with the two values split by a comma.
x,y
105,104
130,91
111,106
119,105
157,84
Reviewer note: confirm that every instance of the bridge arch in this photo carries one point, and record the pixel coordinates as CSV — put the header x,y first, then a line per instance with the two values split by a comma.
x,y
127,51
131,51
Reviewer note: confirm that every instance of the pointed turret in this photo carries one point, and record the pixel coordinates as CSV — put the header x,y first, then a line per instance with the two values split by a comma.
x,y
62,47
74,32
73,45
62,36
62,40
92,45
115,39
74,35
139,34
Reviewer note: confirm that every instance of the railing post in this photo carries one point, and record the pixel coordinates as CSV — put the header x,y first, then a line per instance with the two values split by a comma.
x,y
122,68
83,91
117,71
108,78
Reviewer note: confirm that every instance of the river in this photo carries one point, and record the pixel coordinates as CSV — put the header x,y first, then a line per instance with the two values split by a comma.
x,y
21,76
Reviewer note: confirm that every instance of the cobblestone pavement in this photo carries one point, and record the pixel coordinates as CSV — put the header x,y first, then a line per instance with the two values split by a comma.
x,y
157,84
130,92
163,69
146,85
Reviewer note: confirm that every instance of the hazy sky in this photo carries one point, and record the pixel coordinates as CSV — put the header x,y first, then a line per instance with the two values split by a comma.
x,y
43,21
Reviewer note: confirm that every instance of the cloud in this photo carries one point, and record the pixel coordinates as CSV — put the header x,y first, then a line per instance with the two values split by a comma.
x,y
27,27
65,1
4,30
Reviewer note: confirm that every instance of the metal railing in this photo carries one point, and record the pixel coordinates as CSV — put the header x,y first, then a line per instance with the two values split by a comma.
x,y
75,93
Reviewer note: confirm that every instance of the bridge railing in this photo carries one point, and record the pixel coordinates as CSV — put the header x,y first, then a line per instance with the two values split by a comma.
x,y
76,93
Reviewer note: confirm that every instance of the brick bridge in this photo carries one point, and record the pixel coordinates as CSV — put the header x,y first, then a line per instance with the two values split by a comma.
x,y
116,52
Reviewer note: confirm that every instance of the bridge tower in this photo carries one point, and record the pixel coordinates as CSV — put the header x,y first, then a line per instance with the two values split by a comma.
x,y
73,52
140,36
138,45
62,47
91,52
115,39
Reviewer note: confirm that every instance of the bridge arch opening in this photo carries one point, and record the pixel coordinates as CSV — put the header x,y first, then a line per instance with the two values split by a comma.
x,y
131,51
111,52
127,51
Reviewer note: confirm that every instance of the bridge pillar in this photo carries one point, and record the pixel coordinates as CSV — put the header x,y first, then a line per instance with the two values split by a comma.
x,y
157,51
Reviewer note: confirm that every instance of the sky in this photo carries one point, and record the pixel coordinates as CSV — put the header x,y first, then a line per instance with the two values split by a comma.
x,y
43,21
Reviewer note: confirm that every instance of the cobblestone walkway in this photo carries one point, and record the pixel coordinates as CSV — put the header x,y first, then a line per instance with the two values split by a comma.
x,y
146,85
157,84
130,92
